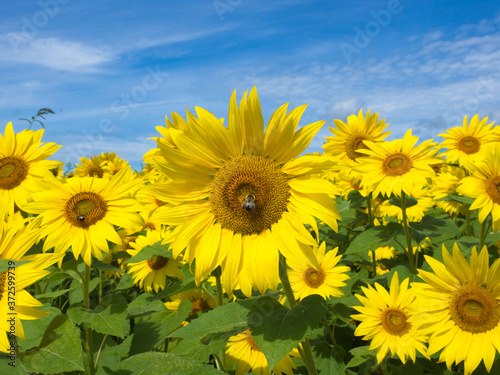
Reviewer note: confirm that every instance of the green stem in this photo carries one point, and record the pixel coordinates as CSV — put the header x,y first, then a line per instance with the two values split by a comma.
x,y
374,263
329,330
409,248
369,208
384,367
467,217
100,349
88,330
100,285
484,232
305,351
220,292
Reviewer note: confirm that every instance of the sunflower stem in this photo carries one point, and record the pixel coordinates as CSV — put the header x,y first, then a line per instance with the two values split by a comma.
x,y
220,293
369,209
467,217
383,366
329,330
484,232
88,330
305,351
374,263
409,248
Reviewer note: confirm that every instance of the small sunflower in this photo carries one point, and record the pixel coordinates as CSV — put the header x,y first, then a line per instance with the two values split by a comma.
x,y
397,166
484,185
447,182
325,281
415,212
465,143
200,300
243,350
349,138
386,321
244,188
16,239
152,273
458,305
93,167
22,166
82,212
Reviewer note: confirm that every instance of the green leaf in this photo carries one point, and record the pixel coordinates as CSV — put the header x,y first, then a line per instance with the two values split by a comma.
x,y
110,317
52,295
6,263
105,266
60,349
34,329
461,198
277,330
10,365
151,332
223,318
153,363
370,239
360,354
144,304
201,350
151,251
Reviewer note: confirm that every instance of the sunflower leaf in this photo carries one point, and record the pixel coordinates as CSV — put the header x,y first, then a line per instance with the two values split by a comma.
x,y
59,351
165,363
277,330
151,251
5,264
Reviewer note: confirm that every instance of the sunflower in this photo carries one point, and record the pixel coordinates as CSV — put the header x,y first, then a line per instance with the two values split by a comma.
x,y
458,305
93,167
484,185
397,166
81,213
243,350
243,188
386,320
325,281
16,239
152,273
349,138
201,301
465,143
446,182
22,166
415,212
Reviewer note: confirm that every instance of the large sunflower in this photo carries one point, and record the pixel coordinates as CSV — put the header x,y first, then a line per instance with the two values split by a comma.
x,y
326,281
465,143
16,239
397,166
240,193
484,185
81,213
22,166
386,320
458,305
349,138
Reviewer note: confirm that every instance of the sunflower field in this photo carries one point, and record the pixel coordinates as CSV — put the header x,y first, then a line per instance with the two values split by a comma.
x,y
234,252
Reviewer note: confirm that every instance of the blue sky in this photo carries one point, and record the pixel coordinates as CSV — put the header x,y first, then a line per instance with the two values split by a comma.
x,y
112,70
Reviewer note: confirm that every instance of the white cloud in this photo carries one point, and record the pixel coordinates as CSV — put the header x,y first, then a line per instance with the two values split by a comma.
x,y
53,53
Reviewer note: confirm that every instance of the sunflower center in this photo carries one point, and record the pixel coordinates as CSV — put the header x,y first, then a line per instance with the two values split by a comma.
x,y
199,305
475,309
397,164
493,188
314,278
469,145
355,142
95,172
395,321
157,263
149,225
3,279
13,171
249,194
85,209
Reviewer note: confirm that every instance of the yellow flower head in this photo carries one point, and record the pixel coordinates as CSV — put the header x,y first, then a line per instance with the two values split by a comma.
x,y
93,167
458,306
465,143
349,138
325,281
243,350
397,166
240,193
200,301
484,185
22,166
16,239
82,212
386,320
